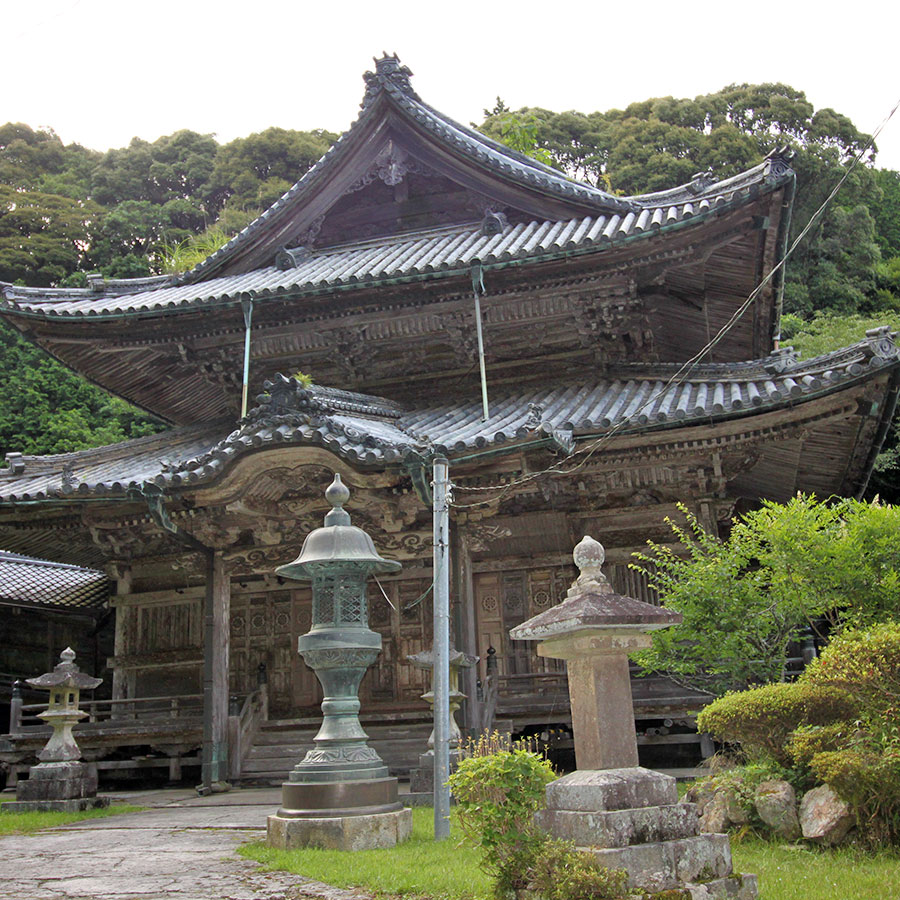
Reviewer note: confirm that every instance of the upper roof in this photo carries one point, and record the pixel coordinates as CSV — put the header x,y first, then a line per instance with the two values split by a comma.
x,y
395,136
407,257
370,432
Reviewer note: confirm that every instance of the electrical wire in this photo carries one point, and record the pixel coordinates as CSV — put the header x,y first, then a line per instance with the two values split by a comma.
x,y
688,366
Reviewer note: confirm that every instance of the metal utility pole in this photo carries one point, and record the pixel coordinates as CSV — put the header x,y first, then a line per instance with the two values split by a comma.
x,y
441,648
247,309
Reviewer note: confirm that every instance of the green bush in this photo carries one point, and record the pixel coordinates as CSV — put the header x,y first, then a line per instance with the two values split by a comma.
x,y
762,719
497,795
837,725
864,664
560,872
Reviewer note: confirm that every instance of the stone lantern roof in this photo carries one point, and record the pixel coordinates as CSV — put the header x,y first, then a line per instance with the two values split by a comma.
x,y
591,604
66,674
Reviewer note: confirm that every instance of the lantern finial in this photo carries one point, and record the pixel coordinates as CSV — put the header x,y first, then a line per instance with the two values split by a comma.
x,y
337,495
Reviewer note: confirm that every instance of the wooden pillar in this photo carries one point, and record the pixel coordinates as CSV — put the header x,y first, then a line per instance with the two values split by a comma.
x,y
216,632
122,577
469,631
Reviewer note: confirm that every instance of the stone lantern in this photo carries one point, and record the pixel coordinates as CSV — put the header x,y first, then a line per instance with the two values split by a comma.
x,y
422,779
61,781
629,817
340,794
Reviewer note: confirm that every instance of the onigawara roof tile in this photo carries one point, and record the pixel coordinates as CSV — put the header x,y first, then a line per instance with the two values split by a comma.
x,y
371,432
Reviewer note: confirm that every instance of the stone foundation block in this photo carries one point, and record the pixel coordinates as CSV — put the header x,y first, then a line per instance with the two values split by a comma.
x,y
621,828
668,865
602,790
364,832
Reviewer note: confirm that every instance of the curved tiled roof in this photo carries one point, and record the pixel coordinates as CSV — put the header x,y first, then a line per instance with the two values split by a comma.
x,y
371,432
411,256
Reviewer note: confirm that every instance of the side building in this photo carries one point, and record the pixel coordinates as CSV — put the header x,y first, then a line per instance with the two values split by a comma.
x,y
626,371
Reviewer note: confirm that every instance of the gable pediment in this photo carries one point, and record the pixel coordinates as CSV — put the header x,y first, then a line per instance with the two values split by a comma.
x,y
401,167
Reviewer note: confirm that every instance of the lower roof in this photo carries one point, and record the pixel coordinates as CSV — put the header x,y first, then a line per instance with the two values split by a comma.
x,y
372,433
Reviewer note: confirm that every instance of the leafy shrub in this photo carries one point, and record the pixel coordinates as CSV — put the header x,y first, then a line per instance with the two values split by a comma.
x,y
864,664
497,795
762,719
560,872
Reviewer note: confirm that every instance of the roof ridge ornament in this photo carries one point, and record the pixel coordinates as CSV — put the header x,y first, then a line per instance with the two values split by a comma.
x,y
778,162
389,72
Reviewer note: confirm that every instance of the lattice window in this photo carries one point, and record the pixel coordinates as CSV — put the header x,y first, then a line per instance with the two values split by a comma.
x,y
350,593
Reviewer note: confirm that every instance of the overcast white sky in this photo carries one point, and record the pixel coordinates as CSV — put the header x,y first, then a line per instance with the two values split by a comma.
x,y
102,71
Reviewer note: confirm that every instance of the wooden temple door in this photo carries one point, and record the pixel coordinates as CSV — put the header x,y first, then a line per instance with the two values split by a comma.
x,y
405,628
264,629
505,599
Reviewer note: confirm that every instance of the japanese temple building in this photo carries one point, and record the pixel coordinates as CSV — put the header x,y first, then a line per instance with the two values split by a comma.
x,y
364,277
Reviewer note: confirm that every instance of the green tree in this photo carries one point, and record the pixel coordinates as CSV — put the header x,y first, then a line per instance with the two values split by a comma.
x,y
783,569
251,173
48,409
43,237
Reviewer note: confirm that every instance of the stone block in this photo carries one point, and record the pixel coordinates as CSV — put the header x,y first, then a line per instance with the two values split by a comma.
x,y
58,781
77,805
668,865
732,887
620,828
600,790
365,832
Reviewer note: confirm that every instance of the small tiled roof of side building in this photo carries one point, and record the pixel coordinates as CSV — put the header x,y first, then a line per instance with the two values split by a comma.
x,y
29,582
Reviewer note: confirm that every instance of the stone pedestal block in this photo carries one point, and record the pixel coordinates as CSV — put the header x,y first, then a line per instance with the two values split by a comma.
x,y
359,832
610,789
421,780
665,865
58,781
78,805
631,819
621,827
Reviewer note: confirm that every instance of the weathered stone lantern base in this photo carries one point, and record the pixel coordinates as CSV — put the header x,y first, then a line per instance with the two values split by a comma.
x,y
57,787
344,815
359,831
631,819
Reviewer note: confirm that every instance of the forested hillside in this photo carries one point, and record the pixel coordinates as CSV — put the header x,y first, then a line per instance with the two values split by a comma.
x,y
66,211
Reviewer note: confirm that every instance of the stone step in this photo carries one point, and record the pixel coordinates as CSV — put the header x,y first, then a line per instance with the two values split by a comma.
x,y
666,865
622,827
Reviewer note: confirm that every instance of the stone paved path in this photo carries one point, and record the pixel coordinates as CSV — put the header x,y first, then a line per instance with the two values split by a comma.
x,y
180,849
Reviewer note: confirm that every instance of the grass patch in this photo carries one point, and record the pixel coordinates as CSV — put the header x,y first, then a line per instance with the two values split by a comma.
x,y
448,870
25,823
808,873
422,867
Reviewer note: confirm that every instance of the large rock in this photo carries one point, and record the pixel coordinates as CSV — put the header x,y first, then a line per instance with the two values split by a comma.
x,y
776,804
824,817
715,815
701,793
